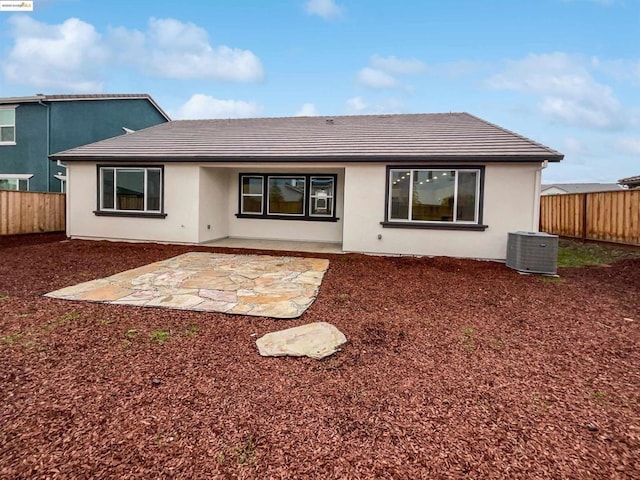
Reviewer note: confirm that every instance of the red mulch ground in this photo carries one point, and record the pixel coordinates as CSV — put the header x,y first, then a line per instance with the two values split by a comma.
x,y
454,369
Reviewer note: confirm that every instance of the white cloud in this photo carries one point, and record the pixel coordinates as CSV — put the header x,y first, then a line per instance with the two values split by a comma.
x,y
307,110
620,69
567,90
629,145
358,106
173,49
327,9
374,78
67,56
382,72
201,106
73,56
398,65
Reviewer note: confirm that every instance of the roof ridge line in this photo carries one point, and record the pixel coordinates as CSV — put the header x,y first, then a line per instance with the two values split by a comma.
x,y
369,115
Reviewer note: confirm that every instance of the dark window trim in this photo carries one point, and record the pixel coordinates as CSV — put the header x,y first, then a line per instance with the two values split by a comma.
x,y
387,223
128,213
436,225
131,213
306,216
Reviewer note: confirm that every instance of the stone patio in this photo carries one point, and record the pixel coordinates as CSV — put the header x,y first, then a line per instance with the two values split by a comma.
x,y
258,285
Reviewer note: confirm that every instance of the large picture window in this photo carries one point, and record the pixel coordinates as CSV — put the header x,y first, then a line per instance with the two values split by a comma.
x,y
130,190
7,126
434,196
284,196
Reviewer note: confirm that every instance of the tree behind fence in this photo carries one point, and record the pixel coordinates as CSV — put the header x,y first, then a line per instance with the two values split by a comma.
x,y
31,212
605,216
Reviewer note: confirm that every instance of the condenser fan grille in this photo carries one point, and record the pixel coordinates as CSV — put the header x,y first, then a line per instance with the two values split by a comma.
x,y
533,252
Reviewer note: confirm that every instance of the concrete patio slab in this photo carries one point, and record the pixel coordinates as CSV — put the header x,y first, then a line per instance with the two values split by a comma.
x,y
281,245
257,285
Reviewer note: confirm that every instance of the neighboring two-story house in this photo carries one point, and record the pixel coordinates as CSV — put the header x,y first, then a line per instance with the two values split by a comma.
x,y
32,128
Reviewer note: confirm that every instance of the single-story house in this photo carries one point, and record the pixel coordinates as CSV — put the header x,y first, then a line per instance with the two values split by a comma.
x,y
630,182
425,184
567,188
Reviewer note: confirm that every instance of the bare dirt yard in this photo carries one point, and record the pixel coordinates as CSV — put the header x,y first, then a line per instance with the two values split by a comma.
x,y
453,369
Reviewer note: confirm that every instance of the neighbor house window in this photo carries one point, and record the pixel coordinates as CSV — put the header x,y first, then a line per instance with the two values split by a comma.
x,y
8,126
434,195
15,182
130,190
300,196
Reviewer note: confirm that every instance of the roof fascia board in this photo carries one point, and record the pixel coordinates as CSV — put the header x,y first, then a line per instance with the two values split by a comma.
x,y
336,158
44,98
31,99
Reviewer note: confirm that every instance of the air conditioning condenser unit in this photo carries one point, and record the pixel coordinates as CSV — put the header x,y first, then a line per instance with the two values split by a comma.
x,y
533,252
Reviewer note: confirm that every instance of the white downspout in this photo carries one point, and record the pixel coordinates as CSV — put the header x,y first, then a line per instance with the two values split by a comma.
x,y
536,196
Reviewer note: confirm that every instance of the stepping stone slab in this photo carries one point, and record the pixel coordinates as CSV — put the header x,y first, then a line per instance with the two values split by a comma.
x,y
315,340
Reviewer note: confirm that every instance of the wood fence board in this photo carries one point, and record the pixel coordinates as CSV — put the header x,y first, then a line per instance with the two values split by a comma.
x,y
606,216
31,212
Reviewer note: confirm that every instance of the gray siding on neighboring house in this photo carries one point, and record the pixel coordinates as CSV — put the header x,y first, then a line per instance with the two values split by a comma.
x,y
29,154
62,122
75,123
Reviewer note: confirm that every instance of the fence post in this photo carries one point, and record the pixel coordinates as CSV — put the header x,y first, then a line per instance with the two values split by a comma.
x,y
585,230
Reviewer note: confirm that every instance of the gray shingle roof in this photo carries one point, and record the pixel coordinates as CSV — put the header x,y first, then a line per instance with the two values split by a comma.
x,y
440,136
630,182
83,96
583,187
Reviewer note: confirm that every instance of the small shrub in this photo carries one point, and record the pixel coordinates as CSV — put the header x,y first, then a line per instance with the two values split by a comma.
x,y
467,340
598,396
9,339
64,319
131,333
192,331
245,451
160,336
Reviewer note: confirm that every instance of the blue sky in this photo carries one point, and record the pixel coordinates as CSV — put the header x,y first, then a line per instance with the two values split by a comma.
x,y
565,73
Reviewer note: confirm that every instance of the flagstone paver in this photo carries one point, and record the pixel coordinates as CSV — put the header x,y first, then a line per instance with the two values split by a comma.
x,y
259,285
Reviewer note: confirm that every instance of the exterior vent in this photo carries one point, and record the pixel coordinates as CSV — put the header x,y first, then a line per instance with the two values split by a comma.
x,y
533,252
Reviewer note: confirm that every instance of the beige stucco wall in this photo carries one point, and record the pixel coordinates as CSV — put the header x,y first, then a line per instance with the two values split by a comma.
x,y
510,204
201,202
181,186
214,203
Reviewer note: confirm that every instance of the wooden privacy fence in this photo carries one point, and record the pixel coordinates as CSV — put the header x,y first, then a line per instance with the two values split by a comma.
x,y
31,212
605,216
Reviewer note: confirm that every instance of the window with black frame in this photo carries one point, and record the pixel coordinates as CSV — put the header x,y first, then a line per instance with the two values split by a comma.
x,y
287,196
429,195
130,190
